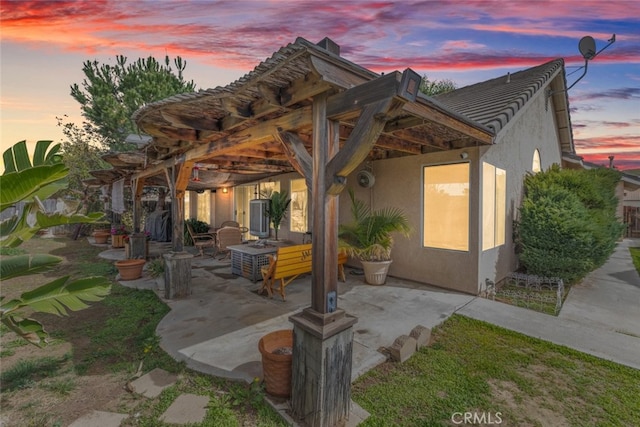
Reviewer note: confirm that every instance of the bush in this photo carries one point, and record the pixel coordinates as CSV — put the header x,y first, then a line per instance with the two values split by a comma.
x,y
567,223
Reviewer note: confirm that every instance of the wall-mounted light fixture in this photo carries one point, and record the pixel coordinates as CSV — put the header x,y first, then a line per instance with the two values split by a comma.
x,y
225,190
464,155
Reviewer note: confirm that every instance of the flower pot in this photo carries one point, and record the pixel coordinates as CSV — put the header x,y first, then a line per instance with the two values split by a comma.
x,y
276,349
130,269
375,273
117,240
101,237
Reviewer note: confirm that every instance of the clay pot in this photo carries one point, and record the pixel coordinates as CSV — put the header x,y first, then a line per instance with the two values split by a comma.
x,y
130,269
101,237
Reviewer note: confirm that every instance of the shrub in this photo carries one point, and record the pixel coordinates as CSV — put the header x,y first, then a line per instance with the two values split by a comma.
x,y
567,224
197,226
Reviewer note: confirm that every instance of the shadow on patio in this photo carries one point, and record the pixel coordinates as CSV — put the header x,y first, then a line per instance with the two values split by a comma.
x,y
217,328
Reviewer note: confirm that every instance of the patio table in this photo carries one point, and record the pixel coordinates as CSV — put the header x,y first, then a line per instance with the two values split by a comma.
x,y
247,259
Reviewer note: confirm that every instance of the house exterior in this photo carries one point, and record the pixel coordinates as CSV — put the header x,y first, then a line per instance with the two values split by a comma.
x,y
455,163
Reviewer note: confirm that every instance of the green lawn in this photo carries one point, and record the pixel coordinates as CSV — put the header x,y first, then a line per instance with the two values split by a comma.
x,y
635,256
474,367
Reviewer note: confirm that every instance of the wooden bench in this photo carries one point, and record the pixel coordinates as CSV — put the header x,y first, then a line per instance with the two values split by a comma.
x,y
290,262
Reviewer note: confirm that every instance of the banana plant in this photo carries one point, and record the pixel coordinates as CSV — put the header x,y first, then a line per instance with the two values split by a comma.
x,y
30,181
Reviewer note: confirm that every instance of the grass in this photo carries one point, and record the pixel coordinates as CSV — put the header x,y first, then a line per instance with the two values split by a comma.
x,y
471,366
27,372
476,367
635,256
112,337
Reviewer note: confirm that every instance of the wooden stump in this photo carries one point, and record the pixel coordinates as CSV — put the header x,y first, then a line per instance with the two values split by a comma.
x,y
177,274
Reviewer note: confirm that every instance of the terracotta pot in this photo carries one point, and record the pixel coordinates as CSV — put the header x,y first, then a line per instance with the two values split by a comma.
x,y
276,349
101,237
117,240
130,269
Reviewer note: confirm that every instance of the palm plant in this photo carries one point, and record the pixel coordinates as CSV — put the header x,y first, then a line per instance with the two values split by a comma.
x,y
24,181
277,209
368,237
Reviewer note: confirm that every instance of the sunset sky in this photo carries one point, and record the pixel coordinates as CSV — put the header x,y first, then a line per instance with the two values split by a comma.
x,y
44,43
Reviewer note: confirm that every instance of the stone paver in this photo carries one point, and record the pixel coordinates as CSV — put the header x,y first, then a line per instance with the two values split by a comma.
x,y
152,383
100,419
187,408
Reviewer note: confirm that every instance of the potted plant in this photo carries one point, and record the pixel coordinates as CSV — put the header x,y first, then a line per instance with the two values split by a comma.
x,y
368,238
117,236
277,209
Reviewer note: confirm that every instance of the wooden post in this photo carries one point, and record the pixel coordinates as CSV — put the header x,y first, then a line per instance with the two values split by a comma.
x,y
323,335
137,185
177,264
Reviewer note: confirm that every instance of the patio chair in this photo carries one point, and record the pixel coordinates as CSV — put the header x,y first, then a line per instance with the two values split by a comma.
x,y
228,236
201,240
230,224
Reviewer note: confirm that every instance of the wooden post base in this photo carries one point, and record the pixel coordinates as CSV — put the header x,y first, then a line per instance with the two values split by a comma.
x,y
138,246
321,369
177,274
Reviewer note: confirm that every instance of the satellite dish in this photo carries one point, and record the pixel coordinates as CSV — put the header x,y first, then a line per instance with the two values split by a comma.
x,y
587,47
366,179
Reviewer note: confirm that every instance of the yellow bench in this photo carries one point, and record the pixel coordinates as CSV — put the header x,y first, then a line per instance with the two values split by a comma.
x,y
290,262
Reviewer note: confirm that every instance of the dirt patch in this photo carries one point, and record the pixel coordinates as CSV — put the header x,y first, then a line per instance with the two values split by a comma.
x,y
538,410
59,396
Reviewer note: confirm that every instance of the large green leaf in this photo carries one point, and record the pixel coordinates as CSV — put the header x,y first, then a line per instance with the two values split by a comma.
x,y
23,265
60,295
23,185
29,329
17,158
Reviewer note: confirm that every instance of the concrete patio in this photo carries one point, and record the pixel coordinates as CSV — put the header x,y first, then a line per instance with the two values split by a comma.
x,y
217,328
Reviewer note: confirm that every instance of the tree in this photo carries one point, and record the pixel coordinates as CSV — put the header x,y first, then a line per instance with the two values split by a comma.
x,y
110,94
436,87
28,182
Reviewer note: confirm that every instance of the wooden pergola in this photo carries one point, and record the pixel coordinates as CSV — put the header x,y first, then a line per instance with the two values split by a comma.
x,y
309,110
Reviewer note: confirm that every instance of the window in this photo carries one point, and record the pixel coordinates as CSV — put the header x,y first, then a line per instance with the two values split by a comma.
x,y
494,194
536,167
266,188
204,207
298,206
187,205
446,207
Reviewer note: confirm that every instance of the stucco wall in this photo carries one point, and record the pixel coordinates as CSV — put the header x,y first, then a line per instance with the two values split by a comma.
x,y
399,183
533,128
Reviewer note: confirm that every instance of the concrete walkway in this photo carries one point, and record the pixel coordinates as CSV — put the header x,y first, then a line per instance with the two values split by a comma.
x,y
601,315
217,328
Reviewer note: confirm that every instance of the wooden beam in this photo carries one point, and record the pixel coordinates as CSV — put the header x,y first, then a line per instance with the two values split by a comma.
x,y
188,122
297,155
303,89
358,145
430,113
236,108
247,138
337,75
340,105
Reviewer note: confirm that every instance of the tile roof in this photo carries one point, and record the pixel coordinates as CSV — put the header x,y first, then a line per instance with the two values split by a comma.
x,y
493,103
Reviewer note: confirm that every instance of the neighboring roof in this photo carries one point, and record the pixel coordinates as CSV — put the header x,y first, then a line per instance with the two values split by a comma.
x,y
630,179
493,103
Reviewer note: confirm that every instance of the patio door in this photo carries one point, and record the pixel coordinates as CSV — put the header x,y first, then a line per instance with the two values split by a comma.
x,y
242,195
